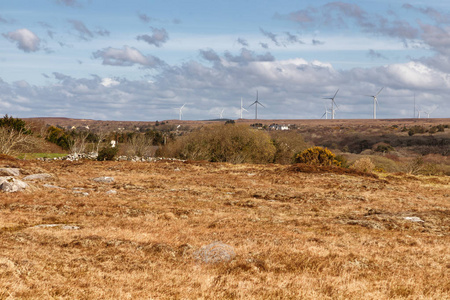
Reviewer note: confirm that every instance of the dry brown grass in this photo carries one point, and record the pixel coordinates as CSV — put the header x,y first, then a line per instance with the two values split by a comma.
x,y
296,234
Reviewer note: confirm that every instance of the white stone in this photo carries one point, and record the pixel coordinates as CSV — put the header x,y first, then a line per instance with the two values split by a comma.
x,y
41,176
104,179
10,171
11,185
413,219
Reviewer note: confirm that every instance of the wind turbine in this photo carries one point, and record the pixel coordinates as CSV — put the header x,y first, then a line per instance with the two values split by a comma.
x,y
221,114
325,114
242,109
375,103
181,110
256,106
418,112
333,103
430,112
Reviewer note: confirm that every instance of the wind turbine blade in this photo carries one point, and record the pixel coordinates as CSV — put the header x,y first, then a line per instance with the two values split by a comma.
x,y
261,104
379,91
335,94
335,104
323,115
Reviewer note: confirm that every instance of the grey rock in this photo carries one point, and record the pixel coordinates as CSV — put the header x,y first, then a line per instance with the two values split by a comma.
x,y
11,185
53,187
10,171
41,176
104,179
413,219
111,192
215,253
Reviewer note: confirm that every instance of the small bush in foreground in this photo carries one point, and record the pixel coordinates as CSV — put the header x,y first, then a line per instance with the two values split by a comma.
x,y
364,164
317,156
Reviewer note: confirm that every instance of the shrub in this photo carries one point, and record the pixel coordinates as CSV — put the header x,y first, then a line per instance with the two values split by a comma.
x,y
364,164
15,124
107,153
287,144
223,143
317,156
343,161
59,137
383,147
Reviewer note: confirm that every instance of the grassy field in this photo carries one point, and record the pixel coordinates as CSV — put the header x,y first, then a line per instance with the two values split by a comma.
x,y
297,233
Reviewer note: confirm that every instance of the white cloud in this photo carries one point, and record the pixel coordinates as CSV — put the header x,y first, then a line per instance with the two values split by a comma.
x,y
108,82
25,39
127,56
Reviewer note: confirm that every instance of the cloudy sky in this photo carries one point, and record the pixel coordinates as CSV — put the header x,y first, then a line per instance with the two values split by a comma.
x,y
143,59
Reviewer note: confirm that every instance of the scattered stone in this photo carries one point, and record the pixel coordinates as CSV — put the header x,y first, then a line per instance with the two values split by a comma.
x,y
53,187
104,179
11,185
413,219
41,176
111,192
61,226
215,253
78,192
9,171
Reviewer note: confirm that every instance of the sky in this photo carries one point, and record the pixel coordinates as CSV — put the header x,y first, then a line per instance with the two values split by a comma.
x,y
141,60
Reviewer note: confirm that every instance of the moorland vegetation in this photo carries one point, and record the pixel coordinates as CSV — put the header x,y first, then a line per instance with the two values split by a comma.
x,y
299,216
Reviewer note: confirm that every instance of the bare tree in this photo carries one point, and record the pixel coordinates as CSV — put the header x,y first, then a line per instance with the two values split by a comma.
x,y
78,143
12,141
140,145
101,135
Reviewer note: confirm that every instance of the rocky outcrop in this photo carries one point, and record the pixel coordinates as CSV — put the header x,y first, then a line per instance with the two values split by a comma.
x,y
11,184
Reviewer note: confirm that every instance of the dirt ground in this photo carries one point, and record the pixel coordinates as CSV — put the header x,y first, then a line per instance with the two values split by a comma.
x,y
287,232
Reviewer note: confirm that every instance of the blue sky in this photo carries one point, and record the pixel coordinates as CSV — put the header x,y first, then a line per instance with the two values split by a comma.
x,y
142,59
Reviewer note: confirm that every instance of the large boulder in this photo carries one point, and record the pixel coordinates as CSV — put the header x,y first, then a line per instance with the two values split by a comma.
x,y
11,184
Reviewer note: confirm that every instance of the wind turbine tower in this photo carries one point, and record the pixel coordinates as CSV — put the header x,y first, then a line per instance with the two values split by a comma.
x,y
242,109
181,111
256,103
430,112
333,104
325,114
418,112
375,103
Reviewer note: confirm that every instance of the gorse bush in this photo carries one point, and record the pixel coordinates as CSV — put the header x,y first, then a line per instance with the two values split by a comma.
x,y
223,143
317,156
